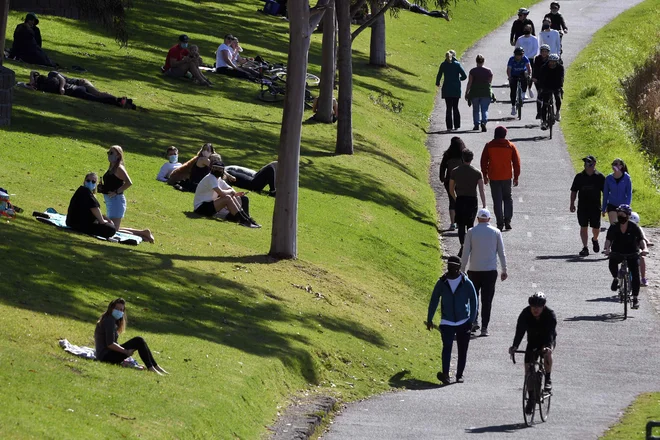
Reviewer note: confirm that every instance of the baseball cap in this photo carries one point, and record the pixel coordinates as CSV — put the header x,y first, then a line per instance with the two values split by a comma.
x,y
183,38
589,159
483,213
454,260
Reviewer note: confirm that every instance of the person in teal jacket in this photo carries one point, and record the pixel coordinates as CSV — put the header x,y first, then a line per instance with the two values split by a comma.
x,y
451,88
458,312
617,189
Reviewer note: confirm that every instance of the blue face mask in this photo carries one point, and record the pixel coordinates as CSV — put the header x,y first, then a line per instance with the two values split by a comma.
x,y
90,186
173,158
117,314
184,45
112,158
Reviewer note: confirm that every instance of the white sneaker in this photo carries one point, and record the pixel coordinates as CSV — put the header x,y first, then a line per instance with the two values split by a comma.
x,y
524,96
557,116
531,94
513,110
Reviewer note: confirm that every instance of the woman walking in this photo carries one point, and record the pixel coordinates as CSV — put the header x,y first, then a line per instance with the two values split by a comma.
x,y
451,88
478,92
617,190
451,158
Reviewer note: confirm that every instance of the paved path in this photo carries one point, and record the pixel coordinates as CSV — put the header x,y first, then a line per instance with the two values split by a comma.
x,y
602,362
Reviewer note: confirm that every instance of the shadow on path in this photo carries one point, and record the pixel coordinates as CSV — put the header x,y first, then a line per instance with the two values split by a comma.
x,y
399,380
606,317
512,427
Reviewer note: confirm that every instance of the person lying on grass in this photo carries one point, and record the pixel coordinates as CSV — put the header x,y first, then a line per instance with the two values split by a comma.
x,y
252,180
81,88
172,164
183,63
213,195
108,328
187,176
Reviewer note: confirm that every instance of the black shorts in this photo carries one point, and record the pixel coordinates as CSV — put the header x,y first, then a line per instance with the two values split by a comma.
x,y
531,355
611,207
207,209
588,217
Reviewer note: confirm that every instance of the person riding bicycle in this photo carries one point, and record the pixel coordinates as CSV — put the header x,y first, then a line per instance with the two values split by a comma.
x,y
518,70
540,61
519,24
540,324
550,82
556,19
624,237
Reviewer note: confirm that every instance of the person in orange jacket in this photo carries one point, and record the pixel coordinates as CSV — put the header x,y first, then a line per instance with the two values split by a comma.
x,y
500,162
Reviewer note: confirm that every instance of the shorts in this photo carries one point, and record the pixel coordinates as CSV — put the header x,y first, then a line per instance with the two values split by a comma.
x,y
177,72
207,209
531,356
610,207
115,207
588,217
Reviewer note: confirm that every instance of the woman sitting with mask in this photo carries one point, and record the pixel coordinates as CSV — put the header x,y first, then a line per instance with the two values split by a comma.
x,y
187,176
84,214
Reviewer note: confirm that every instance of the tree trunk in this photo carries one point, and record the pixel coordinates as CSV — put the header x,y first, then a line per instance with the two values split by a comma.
x,y
284,240
4,13
377,56
328,66
345,65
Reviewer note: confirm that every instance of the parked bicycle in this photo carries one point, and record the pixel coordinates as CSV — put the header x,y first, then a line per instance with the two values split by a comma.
x,y
533,389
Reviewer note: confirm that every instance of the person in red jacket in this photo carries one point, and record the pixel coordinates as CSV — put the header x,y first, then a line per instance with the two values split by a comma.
x,y
500,162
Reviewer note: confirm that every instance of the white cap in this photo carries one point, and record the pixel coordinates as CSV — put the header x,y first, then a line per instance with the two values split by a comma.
x,y
483,213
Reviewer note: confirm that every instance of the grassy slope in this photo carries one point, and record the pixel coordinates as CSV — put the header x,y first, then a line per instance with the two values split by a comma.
x,y
633,425
223,318
597,120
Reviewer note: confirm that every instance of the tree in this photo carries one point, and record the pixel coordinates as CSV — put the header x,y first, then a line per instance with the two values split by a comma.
x,y
302,21
324,111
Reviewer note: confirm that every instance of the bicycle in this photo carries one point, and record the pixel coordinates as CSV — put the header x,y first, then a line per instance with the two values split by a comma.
x,y
533,388
519,96
625,281
273,89
548,109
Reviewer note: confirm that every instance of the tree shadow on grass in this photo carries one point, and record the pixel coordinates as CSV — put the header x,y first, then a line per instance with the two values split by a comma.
x,y
75,277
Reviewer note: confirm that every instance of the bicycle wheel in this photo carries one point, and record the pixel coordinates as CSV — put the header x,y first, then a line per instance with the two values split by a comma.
x,y
528,385
550,116
310,80
626,296
519,100
271,96
544,403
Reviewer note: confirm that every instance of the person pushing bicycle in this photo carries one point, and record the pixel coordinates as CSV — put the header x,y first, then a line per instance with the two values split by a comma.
x,y
550,82
625,239
540,324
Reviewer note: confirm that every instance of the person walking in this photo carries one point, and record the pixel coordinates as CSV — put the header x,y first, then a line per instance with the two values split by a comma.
x,y
617,190
451,88
451,158
500,162
478,92
463,184
587,187
458,310
483,244
519,24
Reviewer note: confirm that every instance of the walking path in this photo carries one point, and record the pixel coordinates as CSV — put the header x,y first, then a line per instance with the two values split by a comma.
x,y
601,362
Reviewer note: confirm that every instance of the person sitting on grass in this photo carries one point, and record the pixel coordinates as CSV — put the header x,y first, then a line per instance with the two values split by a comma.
x,y
27,43
81,88
180,63
188,176
110,325
213,195
224,60
253,180
84,214
172,164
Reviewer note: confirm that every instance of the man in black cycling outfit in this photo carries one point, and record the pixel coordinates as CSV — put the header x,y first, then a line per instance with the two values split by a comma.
x,y
540,323
539,61
551,82
624,237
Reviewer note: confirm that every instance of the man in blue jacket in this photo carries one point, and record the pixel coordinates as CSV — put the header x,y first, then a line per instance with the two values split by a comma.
x,y
457,313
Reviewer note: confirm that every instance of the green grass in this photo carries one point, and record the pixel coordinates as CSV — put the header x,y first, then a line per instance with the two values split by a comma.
x,y
596,119
632,426
229,323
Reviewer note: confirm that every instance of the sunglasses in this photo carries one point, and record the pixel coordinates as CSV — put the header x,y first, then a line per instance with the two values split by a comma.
x,y
90,181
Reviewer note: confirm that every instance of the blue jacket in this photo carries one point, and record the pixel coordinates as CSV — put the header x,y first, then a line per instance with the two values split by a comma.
x,y
617,193
455,306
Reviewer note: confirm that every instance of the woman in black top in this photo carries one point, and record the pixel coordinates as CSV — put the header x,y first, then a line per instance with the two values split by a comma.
x,y
84,214
188,175
451,158
108,328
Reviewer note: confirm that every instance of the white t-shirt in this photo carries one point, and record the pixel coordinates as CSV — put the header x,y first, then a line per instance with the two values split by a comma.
x,y
531,45
219,60
552,39
205,191
166,170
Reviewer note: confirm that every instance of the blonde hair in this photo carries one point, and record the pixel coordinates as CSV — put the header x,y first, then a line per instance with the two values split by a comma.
x,y
120,157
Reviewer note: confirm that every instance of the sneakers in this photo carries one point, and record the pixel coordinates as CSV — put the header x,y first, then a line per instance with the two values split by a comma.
x,y
524,95
443,378
557,116
513,110
635,303
452,227
538,116
500,227
595,245
475,327
459,379
483,127
644,282
529,407
531,93
615,285
507,226
548,386
544,126
476,127
485,332
584,252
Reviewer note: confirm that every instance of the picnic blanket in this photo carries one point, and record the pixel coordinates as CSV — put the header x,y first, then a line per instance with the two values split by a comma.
x,y
90,353
52,217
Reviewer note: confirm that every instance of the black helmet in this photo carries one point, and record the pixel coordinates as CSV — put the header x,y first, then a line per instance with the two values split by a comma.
x,y
519,51
523,11
554,4
624,208
537,300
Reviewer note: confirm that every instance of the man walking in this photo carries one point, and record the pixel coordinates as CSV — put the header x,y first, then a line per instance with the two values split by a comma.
x,y
500,162
588,186
458,311
483,244
463,185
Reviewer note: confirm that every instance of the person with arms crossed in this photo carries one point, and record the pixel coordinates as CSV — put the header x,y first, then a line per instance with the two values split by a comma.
x,y
587,187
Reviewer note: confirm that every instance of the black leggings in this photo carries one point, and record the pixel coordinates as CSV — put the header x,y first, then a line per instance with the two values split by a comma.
x,y
263,177
513,86
114,357
81,92
236,73
452,116
633,267
466,212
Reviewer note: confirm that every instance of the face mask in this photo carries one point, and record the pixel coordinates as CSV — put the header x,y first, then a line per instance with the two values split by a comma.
x,y
184,45
623,220
587,165
112,158
527,32
173,158
615,168
206,153
90,186
117,314
545,27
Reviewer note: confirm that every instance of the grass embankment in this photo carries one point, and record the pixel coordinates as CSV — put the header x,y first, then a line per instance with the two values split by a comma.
x,y
225,320
633,424
596,119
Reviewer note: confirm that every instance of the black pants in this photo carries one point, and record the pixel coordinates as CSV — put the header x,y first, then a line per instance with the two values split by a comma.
x,y
513,86
114,357
633,267
462,333
452,116
545,96
236,73
484,284
466,212
81,92
106,230
37,56
265,176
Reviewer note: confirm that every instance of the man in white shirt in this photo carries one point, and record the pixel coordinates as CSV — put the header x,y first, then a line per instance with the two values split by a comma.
x,y
550,37
224,60
483,244
528,42
169,166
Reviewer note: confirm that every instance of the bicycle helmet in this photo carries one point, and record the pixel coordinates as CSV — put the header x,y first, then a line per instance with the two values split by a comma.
x,y
554,4
634,217
625,209
523,11
519,51
545,47
537,300
553,57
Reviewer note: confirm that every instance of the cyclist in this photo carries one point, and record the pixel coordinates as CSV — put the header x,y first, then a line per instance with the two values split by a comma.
x,y
551,81
556,19
540,323
517,70
539,62
624,237
519,24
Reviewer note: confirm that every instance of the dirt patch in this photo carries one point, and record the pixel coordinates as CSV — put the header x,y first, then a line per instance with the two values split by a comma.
x,y
302,418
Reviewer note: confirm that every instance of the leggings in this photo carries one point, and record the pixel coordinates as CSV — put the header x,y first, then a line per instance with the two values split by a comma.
x,y
633,267
82,93
257,182
236,73
462,333
513,86
452,116
114,357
